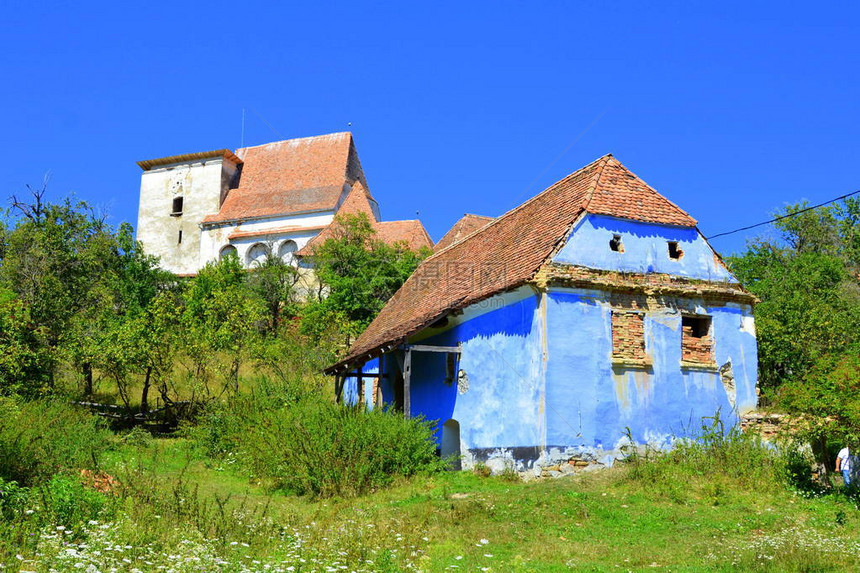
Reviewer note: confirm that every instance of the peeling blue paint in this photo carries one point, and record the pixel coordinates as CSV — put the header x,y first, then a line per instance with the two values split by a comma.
x,y
645,249
539,383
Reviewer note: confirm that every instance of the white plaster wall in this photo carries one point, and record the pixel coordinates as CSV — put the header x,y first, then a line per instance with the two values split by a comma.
x,y
200,184
215,237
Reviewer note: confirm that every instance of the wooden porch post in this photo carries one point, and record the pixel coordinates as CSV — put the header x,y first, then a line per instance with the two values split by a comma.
x,y
338,386
407,370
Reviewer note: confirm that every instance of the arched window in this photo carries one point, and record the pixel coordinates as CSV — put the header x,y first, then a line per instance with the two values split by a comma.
x,y
226,251
287,252
257,254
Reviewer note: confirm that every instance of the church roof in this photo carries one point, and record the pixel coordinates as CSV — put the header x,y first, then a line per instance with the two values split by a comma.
x,y
467,225
508,251
292,176
410,231
358,201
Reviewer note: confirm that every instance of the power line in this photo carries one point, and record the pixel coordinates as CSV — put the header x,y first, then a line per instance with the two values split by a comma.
x,y
784,216
267,123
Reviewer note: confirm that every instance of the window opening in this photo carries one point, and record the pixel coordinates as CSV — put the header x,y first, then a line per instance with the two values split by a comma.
x,y
228,250
697,344
177,207
675,252
180,237
287,251
615,244
257,254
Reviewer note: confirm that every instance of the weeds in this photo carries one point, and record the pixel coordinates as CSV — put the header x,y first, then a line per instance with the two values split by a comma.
x,y
40,438
305,444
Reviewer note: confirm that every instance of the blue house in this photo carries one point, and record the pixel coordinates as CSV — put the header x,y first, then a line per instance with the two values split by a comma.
x,y
591,314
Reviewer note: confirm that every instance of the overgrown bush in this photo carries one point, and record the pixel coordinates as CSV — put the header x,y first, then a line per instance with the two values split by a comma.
x,y
41,438
308,445
716,456
68,502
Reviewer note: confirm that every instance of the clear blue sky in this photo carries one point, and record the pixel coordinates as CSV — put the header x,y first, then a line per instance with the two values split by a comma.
x,y
729,109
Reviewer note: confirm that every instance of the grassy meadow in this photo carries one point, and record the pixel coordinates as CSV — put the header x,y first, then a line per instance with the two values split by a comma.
x,y
177,504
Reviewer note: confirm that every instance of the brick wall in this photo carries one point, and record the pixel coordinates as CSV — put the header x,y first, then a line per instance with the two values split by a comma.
x,y
628,335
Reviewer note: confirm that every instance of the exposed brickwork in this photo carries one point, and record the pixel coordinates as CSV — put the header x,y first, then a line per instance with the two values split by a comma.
x,y
696,346
628,335
648,284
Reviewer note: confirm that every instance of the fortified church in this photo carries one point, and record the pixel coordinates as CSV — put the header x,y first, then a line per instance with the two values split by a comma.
x,y
280,198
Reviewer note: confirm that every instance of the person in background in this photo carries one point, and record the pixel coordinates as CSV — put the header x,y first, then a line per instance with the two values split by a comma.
x,y
845,463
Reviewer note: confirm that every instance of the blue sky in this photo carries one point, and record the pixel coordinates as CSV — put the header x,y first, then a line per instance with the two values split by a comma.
x,y
729,109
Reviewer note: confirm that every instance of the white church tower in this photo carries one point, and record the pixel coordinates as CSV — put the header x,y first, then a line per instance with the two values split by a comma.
x,y
176,193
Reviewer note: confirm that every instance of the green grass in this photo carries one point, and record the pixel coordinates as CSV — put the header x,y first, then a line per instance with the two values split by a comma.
x,y
601,521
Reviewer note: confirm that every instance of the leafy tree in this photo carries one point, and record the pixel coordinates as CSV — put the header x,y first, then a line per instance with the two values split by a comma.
x,y
221,317
54,259
273,281
808,320
23,361
357,274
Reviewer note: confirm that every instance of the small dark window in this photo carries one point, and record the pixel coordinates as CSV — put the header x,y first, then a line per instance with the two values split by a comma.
x,y
177,206
698,326
675,252
615,244
450,368
180,236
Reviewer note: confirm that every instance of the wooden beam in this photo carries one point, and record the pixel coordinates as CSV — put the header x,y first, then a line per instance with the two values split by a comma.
x,y
364,375
407,371
360,388
431,348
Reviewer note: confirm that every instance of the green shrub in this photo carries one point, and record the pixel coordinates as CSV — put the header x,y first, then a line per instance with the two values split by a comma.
x,y
41,438
311,446
13,499
67,501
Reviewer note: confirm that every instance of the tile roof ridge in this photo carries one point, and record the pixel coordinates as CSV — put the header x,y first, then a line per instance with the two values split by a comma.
x,y
669,201
518,207
606,158
617,163
320,136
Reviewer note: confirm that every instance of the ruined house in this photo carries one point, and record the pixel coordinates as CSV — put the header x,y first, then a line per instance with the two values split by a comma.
x,y
593,313
280,197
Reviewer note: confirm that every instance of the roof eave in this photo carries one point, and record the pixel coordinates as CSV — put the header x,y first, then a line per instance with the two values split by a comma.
x,y
149,164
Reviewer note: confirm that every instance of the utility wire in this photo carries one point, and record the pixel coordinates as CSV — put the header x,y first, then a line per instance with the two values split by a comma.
x,y
784,216
267,123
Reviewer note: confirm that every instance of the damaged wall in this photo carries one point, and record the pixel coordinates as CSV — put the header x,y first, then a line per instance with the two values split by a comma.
x,y
540,382
643,248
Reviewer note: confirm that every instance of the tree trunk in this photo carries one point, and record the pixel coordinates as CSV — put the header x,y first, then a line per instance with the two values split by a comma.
x,y
144,395
88,379
234,374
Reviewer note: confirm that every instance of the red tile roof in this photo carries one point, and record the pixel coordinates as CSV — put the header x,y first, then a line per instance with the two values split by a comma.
x,y
270,232
467,225
507,252
411,232
293,176
358,201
